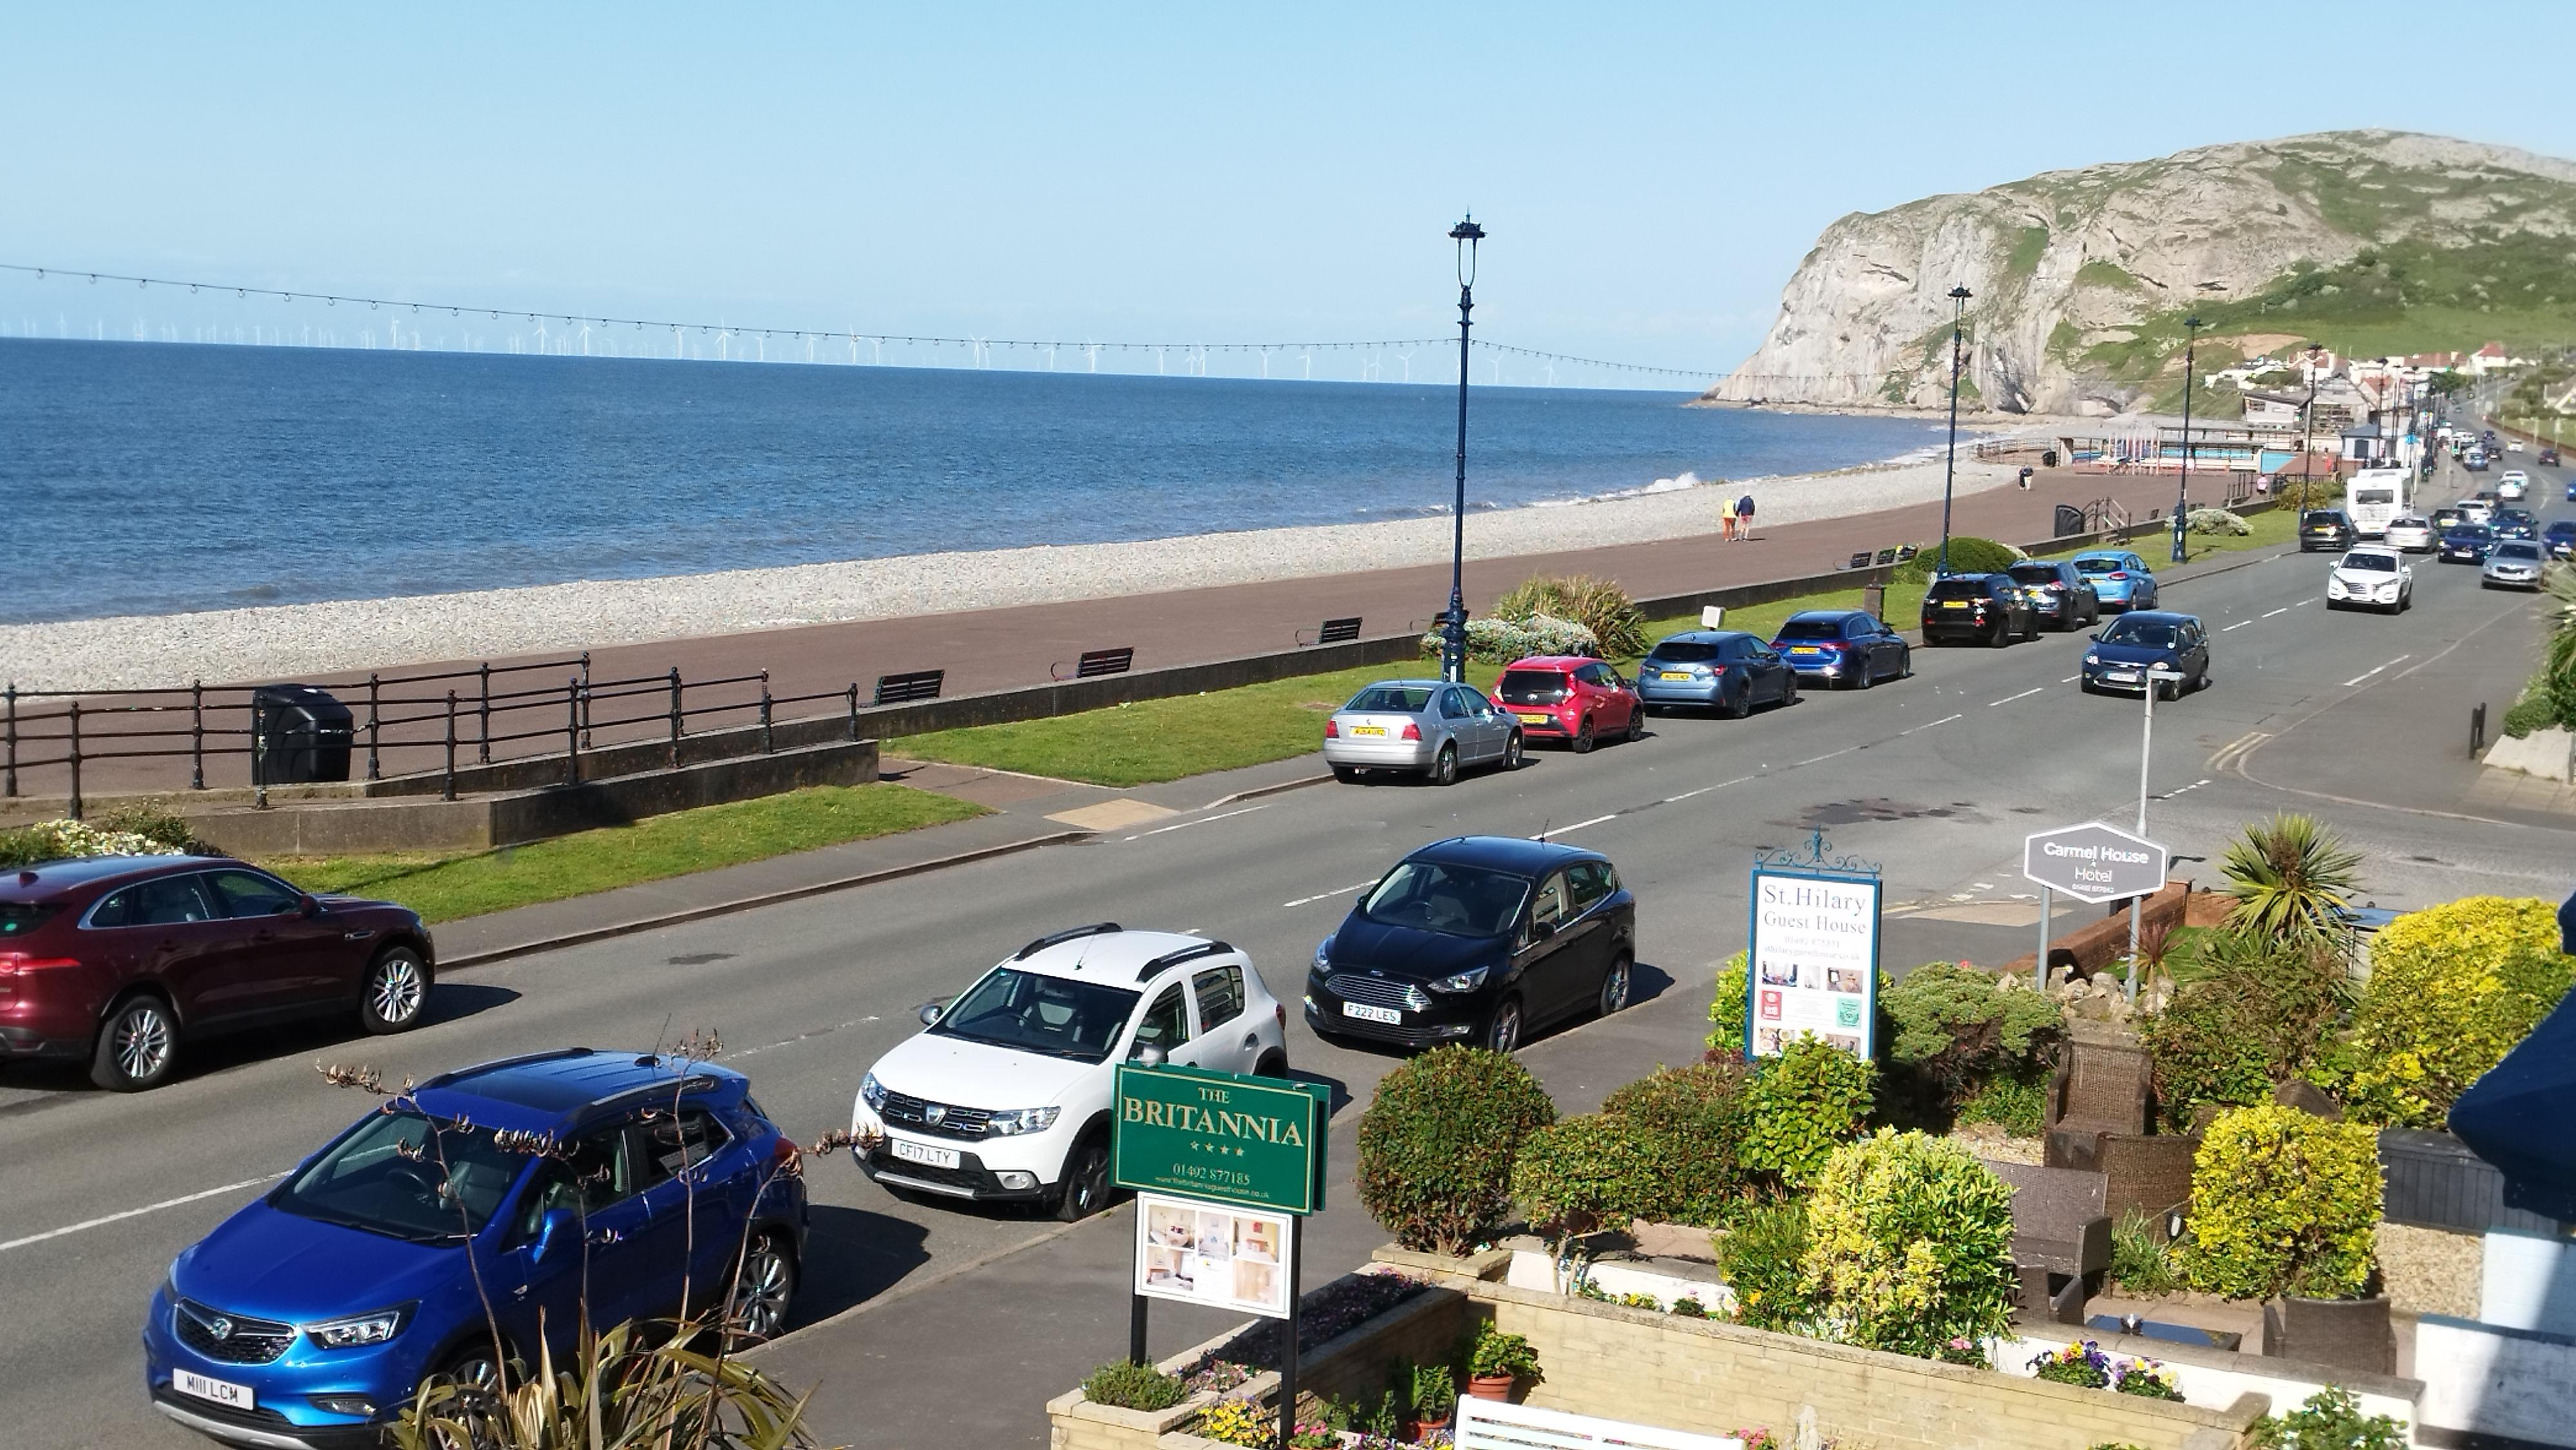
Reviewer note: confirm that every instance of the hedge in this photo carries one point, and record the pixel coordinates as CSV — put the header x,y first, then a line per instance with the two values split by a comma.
x,y
2283,1202
2452,989
1686,1127
1968,555
1437,1144
1909,1245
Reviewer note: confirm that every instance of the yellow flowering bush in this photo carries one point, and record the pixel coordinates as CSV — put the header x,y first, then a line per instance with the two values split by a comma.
x,y
1909,1245
2283,1202
2452,989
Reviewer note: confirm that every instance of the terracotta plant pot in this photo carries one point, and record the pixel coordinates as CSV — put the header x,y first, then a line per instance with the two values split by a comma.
x,y
1490,1386
1418,1431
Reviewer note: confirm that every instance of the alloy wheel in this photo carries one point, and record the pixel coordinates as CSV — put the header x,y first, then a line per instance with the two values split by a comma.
x,y
761,1290
1582,743
1614,987
143,1040
1504,1032
394,989
1512,752
1444,767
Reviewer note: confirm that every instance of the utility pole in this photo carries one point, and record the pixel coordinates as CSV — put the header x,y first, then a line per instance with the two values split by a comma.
x,y
1958,304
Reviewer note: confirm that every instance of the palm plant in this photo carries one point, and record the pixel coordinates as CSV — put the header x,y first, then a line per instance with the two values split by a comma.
x,y
621,1395
2558,658
2289,875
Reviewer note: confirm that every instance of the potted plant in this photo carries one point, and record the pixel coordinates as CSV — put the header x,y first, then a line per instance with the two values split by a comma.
x,y
1433,1396
1497,1361
2285,1210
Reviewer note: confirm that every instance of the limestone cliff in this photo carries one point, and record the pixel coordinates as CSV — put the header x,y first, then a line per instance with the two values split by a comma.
x,y
2082,277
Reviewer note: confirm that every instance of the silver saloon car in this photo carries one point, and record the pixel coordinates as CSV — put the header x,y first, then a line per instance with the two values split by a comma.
x,y
1428,728
2513,564
2410,535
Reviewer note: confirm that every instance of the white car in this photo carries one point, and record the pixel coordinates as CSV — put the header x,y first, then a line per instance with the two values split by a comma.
x,y
1006,1095
2410,536
2513,485
2372,578
2513,445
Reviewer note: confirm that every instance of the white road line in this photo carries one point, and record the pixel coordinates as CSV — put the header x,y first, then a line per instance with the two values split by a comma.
x,y
2024,695
1846,750
1703,790
2240,624
1555,831
86,1224
1322,895
2302,604
1201,821
2284,609
2366,674
2070,679
1944,720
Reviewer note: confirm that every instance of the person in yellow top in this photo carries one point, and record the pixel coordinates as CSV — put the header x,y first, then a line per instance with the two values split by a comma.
x,y
1726,518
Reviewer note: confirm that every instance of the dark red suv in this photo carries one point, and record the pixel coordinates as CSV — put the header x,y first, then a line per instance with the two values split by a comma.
x,y
116,959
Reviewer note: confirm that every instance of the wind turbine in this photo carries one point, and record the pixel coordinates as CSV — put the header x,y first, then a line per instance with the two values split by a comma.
x,y
1091,350
1406,357
585,339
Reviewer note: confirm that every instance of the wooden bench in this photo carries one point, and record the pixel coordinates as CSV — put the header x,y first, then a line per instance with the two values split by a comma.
x,y
1334,631
2061,1236
1097,662
904,689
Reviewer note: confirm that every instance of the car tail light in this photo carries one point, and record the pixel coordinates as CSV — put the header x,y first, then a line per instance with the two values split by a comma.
x,y
1331,730
2119,573
1717,669
1280,1011
782,1154
1412,731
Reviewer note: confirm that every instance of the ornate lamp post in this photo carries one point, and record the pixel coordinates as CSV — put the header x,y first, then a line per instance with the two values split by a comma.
x,y
2308,423
2182,498
1950,471
1453,654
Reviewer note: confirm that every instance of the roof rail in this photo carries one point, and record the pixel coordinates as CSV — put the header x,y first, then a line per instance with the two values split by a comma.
x,y
1147,972
522,1060
1097,928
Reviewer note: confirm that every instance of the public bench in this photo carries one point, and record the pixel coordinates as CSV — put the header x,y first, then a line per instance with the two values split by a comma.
x,y
1096,662
905,688
1333,631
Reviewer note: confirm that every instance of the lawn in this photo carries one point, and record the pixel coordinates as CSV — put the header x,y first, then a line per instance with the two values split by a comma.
x,y
445,887
1158,740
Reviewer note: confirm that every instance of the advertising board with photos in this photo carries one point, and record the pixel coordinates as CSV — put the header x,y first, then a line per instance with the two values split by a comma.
x,y
1213,1254
1812,964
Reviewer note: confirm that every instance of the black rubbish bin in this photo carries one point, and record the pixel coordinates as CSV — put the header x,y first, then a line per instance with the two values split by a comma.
x,y
301,733
2069,521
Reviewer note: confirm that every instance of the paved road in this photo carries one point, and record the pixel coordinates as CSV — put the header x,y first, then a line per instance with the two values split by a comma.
x,y
1937,777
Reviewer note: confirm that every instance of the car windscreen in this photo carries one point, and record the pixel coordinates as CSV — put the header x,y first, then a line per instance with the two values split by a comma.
x,y
1391,700
2035,573
2097,566
2527,553
2324,517
2374,496
2376,563
1812,629
1037,1013
17,918
1956,589
2469,533
1454,900
1532,687
1684,652
399,1176
2148,633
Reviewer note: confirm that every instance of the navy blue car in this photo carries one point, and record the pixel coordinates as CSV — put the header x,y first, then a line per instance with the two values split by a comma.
x,y
313,1315
2465,544
1477,939
1843,647
2122,656
2559,538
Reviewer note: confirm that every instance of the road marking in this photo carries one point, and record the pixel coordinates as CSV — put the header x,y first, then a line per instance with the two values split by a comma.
x,y
2240,624
1554,831
2284,609
2024,695
1846,750
1703,790
1336,891
86,1224
2302,604
2179,790
2366,674
1201,821
2238,746
2070,679
800,1037
1944,720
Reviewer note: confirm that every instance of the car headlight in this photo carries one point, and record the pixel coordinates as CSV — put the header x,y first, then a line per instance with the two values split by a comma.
x,y
2092,659
359,1329
1466,981
1324,954
872,1093
1021,1120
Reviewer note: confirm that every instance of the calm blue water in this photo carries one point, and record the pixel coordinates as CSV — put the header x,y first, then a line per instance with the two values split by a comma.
x,y
152,478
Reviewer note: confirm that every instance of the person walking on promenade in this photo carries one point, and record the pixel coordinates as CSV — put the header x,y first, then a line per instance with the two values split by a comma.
x,y
1744,516
1726,519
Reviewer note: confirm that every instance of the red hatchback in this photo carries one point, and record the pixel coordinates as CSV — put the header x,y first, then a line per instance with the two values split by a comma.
x,y
1573,698
114,959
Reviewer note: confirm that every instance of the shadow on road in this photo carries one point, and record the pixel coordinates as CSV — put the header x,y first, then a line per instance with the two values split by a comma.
x,y
198,1057
851,1256
1646,982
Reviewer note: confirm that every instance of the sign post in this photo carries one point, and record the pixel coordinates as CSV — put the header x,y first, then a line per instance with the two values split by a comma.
x,y
1224,1166
1811,966
2091,862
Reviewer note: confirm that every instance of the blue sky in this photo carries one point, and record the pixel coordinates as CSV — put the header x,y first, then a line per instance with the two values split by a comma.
x,y
1651,174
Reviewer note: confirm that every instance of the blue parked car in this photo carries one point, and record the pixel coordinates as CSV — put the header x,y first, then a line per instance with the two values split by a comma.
x,y
2119,577
2466,544
2559,538
2143,640
1715,669
311,1317
1843,647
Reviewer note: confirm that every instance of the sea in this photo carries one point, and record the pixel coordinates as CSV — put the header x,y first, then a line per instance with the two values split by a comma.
x,y
156,478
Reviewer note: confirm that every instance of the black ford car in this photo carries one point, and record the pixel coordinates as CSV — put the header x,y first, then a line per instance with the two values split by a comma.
x,y
1477,939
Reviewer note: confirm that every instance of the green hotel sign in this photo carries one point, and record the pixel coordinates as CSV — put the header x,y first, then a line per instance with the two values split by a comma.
x,y
1255,1142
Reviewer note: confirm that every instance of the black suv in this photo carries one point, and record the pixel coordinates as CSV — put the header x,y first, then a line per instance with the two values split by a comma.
x,y
1978,608
2324,529
2059,592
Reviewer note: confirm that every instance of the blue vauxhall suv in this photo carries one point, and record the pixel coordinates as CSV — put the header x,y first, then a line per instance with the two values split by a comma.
x,y
311,1317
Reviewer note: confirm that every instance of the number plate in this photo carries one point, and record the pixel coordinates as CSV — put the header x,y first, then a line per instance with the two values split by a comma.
x,y
1804,649
221,1392
1366,1013
916,1153
2122,677
1676,674
1533,717
1954,604
1368,730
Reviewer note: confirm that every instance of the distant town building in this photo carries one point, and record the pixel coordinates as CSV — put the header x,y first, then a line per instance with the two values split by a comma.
x,y
2494,358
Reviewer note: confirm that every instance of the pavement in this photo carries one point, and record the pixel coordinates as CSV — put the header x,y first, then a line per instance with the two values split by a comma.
x,y
923,1323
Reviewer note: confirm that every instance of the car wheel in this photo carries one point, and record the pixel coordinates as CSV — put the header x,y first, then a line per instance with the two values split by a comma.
x,y
1086,1180
1347,775
1614,987
762,1289
1905,663
1742,704
1273,1063
1513,748
1868,675
1789,691
396,992
1503,1029
136,1046
1444,766
1636,725
472,1377
1582,742
2002,635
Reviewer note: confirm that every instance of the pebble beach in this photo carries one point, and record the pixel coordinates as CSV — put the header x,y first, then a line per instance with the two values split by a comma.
x,y
280,641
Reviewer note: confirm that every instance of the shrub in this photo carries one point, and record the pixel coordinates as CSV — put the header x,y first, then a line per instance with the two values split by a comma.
x,y
2216,521
1726,1010
1580,1174
1800,1107
1958,1028
2258,1013
1909,1245
1494,1352
2289,875
2018,1104
1501,641
1598,605
1968,555
1689,1307
1763,1260
115,835
2330,1419
1685,1124
1436,1147
1130,1385
2534,711
2140,1262
1432,1391
2452,989
2283,1202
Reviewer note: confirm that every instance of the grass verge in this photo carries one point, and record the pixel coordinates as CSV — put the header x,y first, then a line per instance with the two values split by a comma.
x,y
445,887
1158,740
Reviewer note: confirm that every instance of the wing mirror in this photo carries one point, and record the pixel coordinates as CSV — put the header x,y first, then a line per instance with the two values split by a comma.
x,y
931,1012
1542,930
1151,1055
308,905
558,1229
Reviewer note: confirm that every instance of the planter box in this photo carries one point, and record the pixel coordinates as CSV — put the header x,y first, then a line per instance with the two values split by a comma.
x,y
1533,1269
2217,1378
2345,1333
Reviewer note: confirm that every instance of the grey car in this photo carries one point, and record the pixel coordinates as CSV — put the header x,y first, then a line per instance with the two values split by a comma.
x,y
2513,564
1428,728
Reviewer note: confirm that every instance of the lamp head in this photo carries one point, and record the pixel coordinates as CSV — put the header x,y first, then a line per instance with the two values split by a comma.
x,y
1960,294
2193,323
1467,234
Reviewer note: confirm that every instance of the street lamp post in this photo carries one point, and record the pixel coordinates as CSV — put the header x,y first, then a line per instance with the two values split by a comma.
x,y
2308,423
2182,496
2157,677
1958,308
1453,654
